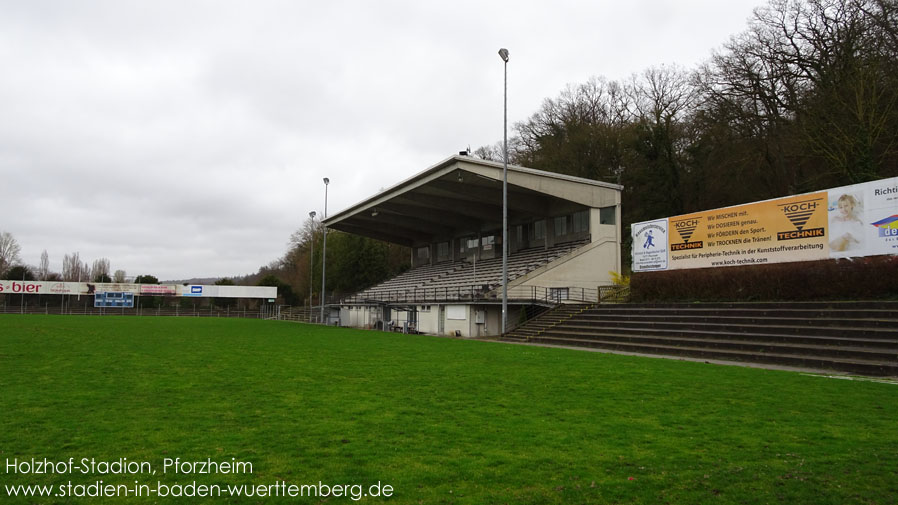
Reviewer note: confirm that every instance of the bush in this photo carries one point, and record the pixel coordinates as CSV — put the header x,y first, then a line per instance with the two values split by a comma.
x,y
869,278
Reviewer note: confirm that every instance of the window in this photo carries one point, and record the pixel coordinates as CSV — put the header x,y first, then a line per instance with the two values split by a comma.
x,y
519,234
488,242
456,312
607,215
581,221
423,253
560,226
539,230
443,250
558,294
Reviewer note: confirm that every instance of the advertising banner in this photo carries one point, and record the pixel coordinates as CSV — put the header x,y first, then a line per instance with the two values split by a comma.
x,y
650,246
158,290
92,288
858,220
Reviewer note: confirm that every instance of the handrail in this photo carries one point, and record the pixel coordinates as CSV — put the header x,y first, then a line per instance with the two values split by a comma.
x,y
476,293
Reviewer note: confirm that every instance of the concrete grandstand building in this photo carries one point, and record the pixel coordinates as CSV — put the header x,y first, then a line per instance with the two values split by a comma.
x,y
564,238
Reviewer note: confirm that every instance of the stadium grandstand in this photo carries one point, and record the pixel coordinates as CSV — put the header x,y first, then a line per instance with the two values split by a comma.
x,y
564,238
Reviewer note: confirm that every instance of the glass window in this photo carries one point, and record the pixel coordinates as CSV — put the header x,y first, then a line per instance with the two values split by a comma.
x,y
560,226
539,230
423,253
443,250
608,215
581,221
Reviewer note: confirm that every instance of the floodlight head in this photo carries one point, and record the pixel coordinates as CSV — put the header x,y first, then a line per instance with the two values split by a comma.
x,y
326,181
312,214
503,53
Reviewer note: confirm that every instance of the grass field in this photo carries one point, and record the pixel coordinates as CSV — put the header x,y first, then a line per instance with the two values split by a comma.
x,y
440,420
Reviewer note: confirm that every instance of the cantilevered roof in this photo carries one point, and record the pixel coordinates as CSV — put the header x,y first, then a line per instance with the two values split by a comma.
x,y
462,195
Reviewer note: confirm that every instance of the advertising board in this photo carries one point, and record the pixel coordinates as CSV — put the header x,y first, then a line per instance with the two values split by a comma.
x,y
850,221
92,288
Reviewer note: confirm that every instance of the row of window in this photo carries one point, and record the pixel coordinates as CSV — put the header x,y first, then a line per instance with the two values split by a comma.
x,y
576,223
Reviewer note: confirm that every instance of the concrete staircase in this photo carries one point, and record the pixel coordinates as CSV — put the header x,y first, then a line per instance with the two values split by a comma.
x,y
545,321
854,337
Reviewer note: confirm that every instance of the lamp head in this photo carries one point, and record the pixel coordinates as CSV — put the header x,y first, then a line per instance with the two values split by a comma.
x,y
312,214
503,53
326,181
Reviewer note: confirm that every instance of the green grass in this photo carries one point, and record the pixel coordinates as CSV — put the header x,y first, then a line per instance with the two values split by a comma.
x,y
441,420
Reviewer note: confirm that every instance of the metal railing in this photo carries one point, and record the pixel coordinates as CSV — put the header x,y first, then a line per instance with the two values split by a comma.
x,y
262,312
518,294
614,294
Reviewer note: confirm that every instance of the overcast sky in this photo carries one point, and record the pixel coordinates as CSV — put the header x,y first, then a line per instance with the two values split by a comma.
x,y
190,138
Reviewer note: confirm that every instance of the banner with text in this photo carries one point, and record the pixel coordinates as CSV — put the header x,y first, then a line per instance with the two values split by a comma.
x,y
858,220
92,288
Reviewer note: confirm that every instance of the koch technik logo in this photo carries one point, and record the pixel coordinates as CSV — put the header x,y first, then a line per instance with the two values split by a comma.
x,y
685,228
799,213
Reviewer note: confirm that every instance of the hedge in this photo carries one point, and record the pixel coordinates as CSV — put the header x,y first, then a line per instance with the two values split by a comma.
x,y
868,278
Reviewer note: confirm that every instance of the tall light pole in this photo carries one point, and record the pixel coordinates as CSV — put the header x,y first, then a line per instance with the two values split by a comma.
x,y
503,53
324,253
311,260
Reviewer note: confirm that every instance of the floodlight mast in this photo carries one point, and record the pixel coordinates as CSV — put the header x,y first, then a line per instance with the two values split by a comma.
x,y
324,253
311,259
503,53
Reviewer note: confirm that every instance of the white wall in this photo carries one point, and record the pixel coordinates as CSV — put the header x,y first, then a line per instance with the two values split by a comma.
x,y
428,322
587,267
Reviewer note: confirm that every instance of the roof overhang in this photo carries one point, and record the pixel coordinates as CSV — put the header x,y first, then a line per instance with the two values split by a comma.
x,y
461,196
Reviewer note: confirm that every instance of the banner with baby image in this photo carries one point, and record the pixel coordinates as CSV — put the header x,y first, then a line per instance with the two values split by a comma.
x,y
863,219
858,220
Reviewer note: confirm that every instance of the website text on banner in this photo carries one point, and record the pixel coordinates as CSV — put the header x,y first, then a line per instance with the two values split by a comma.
x,y
858,220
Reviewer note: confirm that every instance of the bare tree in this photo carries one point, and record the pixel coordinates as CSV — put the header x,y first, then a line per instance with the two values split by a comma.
x,y
100,270
662,101
9,251
304,236
491,153
43,270
73,269
581,132
813,77
119,276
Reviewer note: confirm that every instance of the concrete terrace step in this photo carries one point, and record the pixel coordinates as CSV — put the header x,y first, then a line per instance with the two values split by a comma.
x,y
857,337
814,348
859,366
760,337
756,326
848,305
545,321
740,320
801,313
